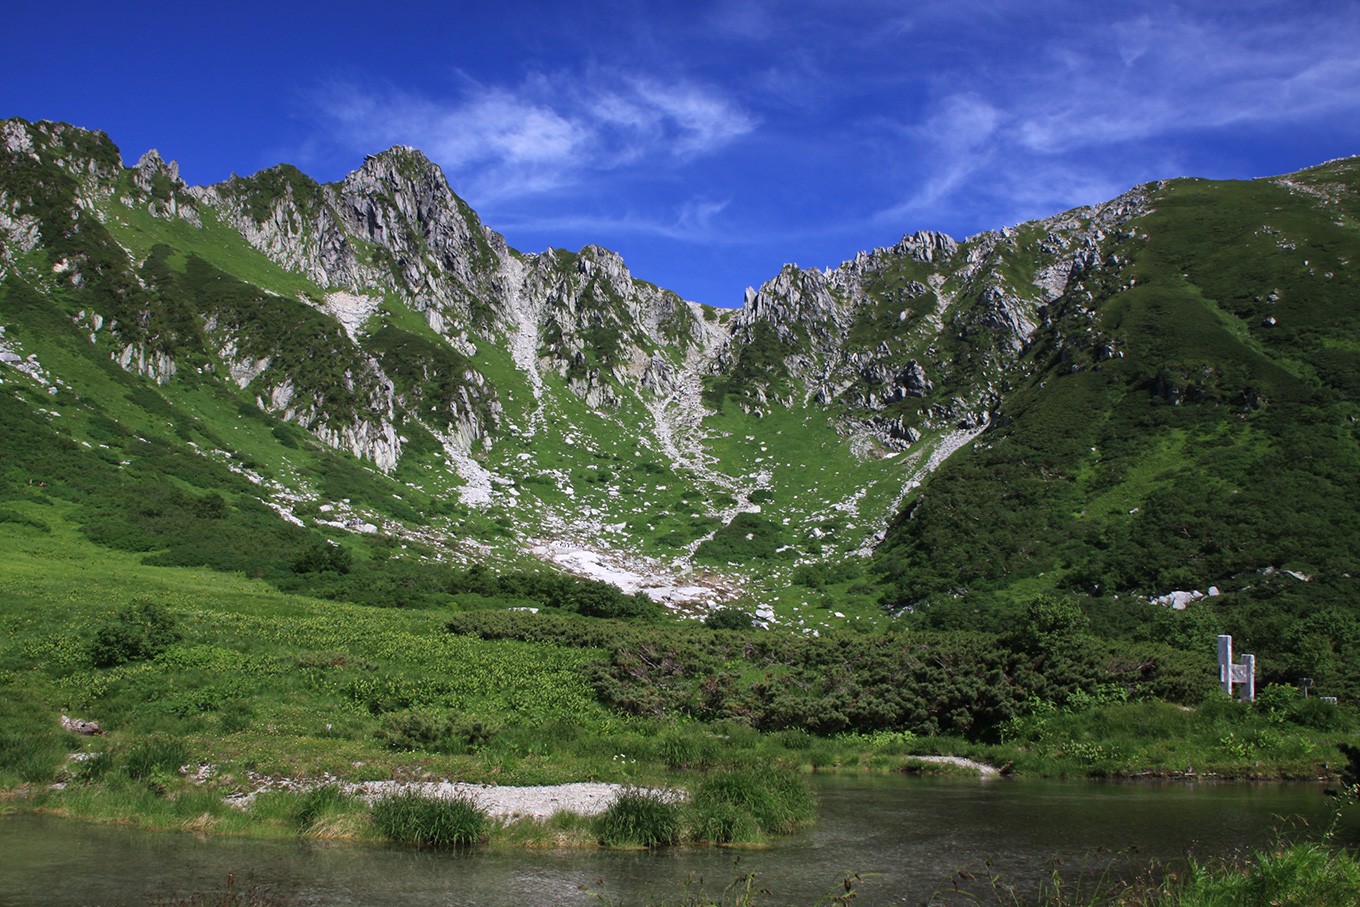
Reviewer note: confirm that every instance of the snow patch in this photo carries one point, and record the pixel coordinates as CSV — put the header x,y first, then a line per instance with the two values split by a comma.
x,y
630,574
1177,601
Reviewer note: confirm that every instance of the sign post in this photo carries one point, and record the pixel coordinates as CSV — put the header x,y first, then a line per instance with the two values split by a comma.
x,y
1242,675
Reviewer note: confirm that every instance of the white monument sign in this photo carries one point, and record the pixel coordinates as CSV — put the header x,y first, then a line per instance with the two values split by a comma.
x,y
1243,674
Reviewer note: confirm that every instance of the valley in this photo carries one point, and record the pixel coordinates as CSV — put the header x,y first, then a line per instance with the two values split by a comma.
x,y
326,481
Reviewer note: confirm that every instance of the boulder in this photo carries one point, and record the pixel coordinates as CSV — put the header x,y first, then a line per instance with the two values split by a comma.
x,y
81,726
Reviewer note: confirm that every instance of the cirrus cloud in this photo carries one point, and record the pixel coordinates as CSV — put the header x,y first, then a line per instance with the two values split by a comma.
x,y
546,134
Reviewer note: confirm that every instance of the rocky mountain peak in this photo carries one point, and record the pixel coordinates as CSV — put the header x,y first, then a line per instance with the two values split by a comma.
x,y
17,137
166,193
86,156
152,163
927,246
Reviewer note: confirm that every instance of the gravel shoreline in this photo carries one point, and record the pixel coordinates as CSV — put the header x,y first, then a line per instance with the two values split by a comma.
x,y
505,803
501,802
983,770
586,798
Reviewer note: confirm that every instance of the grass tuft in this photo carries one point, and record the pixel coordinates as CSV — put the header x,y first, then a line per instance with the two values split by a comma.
x,y
742,805
155,759
640,818
1301,875
444,824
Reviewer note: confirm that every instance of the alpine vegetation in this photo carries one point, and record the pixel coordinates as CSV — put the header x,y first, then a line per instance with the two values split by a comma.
x,y
310,485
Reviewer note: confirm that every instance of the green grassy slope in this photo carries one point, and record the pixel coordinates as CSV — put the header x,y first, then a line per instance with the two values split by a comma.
x,y
1219,441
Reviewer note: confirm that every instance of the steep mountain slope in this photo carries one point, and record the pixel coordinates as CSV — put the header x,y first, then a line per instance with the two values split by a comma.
x,y
1153,394
1192,420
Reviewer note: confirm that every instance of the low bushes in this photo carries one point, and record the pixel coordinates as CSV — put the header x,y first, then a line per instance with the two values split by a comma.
x,y
140,631
1111,738
728,619
435,732
925,682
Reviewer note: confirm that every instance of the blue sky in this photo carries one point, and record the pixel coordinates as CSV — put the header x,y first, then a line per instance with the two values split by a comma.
x,y
710,142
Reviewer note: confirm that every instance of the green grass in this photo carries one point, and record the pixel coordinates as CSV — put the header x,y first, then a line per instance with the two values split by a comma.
x,y
750,804
640,818
155,758
726,806
444,824
214,241
1219,739
264,682
1299,875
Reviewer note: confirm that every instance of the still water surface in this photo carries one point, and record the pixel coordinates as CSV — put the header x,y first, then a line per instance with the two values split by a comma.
x,y
905,837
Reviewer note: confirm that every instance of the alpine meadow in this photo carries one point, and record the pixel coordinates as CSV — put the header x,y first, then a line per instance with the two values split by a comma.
x,y
311,488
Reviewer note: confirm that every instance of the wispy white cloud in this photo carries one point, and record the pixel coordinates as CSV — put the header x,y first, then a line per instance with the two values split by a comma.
x,y
1180,74
547,133
1098,106
693,221
702,120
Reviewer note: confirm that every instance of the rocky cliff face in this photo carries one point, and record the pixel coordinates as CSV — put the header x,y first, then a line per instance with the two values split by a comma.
x,y
926,334
395,225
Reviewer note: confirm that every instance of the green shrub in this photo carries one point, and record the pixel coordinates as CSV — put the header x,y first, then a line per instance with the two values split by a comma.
x,y
640,818
324,558
1315,712
414,730
445,824
417,729
728,619
19,519
140,631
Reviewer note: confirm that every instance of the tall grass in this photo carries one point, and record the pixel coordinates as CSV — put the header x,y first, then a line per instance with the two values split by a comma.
x,y
325,812
30,757
742,805
156,758
1301,875
687,747
640,818
445,824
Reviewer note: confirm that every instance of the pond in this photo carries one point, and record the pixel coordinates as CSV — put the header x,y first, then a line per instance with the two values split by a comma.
x,y
905,837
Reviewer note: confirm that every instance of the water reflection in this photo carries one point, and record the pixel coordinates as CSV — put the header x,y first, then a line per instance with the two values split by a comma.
x,y
906,838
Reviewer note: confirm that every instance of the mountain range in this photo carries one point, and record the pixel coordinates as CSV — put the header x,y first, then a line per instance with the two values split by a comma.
x,y
1151,401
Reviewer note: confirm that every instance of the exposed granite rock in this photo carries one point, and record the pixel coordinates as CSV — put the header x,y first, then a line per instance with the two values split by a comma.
x,y
923,334
164,193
